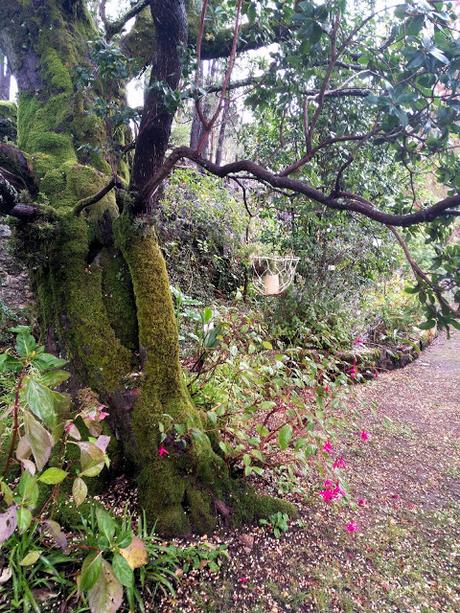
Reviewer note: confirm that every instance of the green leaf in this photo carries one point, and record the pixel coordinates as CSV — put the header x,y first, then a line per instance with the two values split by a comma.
x,y
53,476
30,558
92,459
53,378
24,518
41,401
25,342
427,325
284,436
7,363
46,361
6,492
79,491
107,594
105,522
40,440
90,570
122,570
28,489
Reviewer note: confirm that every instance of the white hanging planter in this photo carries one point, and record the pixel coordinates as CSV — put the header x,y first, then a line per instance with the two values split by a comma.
x,y
273,274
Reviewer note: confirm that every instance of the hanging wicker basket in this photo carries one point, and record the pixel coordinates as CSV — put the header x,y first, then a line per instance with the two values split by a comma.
x,y
273,274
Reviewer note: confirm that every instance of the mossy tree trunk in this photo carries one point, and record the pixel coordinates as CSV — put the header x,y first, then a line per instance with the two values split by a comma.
x,y
100,277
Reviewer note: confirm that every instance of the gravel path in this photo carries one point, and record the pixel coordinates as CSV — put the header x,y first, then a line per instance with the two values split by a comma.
x,y
405,555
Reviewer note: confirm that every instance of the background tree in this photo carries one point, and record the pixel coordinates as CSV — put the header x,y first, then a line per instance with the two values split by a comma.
x,y
87,229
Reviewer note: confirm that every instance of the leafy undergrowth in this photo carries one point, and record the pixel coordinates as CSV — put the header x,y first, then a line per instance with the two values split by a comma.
x,y
402,552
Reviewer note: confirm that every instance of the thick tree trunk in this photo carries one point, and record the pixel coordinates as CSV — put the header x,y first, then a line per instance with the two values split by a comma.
x,y
101,280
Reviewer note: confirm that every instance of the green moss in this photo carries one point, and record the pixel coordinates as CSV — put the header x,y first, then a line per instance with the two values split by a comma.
x,y
8,120
118,296
99,356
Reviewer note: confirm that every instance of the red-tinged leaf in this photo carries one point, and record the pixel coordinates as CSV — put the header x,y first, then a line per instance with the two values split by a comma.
x,y
107,594
103,442
8,523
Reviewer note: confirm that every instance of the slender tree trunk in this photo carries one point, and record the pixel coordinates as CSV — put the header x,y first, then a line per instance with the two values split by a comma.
x,y
223,127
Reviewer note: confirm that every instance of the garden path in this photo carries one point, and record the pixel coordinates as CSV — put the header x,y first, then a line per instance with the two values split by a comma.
x,y
404,557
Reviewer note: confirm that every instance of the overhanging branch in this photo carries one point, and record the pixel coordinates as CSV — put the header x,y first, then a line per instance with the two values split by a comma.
x,y
343,201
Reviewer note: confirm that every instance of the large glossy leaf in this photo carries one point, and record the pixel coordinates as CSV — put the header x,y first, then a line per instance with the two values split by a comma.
x,y
107,594
41,401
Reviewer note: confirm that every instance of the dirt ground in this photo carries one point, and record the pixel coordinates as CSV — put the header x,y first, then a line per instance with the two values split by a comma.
x,y
405,553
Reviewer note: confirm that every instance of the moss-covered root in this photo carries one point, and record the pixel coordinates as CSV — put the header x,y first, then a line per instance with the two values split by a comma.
x,y
179,501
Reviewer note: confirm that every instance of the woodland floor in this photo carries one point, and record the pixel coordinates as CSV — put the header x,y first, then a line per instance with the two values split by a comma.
x,y
405,556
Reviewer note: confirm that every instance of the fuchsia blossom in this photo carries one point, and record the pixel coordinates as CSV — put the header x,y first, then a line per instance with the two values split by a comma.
x,y
364,435
162,451
351,527
243,580
362,502
358,342
327,447
68,427
331,493
339,463
102,415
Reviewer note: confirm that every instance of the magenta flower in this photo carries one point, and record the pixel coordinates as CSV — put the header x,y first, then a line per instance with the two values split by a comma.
x,y
327,447
358,342
364,435
330,492
68,427
339,463
162,451
352,527
362,502
243,580
102,415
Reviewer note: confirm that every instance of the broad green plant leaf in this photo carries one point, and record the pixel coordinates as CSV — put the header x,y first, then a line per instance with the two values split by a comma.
x,y
53,476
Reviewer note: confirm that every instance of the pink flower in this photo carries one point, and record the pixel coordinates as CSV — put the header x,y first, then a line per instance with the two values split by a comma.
x,y
243,580
351,527
376,374
327,388
364,435
362,502
331,493
353,371
327,495
162,451
68,427
358,342
339,463
102,415
327,447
